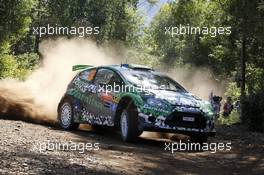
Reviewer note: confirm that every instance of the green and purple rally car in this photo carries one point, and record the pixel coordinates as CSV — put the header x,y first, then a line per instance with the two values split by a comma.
x,y
133,99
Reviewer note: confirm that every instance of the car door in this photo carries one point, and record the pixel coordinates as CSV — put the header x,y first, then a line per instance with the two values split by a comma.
x,y
106,80
83,89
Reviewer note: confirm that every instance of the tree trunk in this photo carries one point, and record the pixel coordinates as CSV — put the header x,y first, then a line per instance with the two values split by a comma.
x,y
36,47
243,74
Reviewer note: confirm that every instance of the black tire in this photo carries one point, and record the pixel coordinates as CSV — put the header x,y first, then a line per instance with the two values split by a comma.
x,y
131,132
66,123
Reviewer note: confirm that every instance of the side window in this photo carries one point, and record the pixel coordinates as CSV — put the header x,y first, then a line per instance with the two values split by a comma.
x,y
87,75
107,77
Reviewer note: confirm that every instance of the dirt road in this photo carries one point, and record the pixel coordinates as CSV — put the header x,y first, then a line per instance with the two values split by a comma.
x,y
20,153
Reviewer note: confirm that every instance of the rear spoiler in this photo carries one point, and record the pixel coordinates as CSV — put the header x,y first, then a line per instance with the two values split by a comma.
x,y
80,67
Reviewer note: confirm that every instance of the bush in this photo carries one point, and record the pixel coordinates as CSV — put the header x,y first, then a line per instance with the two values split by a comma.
x,y
19,66
8,66
27,60
233,118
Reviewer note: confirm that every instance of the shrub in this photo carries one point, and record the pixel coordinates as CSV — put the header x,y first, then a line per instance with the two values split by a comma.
x,y
19,66
233,118
8,66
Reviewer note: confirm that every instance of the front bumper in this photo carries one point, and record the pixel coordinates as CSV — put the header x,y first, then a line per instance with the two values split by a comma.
x,y
159,124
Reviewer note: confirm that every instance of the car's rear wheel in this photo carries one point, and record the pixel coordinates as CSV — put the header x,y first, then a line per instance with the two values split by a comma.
x,y
65,116
129,125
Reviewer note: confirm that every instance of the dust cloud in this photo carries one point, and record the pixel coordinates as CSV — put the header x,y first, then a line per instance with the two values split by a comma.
x,y
199,81
36,98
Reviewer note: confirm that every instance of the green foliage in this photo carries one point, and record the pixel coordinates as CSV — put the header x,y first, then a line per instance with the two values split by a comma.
x,y
232,91
233,118
199,50
27,61
19,66
8,64
255,78
14,19
117,20
139,56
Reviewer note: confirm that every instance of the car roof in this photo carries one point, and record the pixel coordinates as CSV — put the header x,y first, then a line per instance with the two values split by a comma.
x,y
133,68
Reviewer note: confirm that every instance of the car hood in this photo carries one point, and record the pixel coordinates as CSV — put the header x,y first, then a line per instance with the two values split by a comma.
x,y
178,98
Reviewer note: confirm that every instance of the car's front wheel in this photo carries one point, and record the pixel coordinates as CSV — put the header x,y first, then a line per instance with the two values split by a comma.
x,y
65,116
129,126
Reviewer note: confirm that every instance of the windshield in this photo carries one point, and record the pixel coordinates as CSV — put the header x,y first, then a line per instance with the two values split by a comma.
x,y
153,81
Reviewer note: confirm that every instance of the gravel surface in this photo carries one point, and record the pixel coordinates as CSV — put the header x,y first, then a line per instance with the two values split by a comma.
x,y
24,150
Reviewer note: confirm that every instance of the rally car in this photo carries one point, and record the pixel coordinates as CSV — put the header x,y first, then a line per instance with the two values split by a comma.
x,y
133,99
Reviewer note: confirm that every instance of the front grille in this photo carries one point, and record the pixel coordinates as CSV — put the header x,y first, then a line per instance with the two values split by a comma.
x,y
176,119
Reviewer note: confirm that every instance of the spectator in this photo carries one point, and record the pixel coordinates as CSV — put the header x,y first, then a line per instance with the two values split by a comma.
x,y
216,103
228,107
